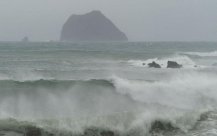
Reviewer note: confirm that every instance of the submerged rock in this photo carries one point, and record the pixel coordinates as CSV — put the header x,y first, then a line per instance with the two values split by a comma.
x,y
33,131
98,132
160,126
154,65
173,64
93,26
107,133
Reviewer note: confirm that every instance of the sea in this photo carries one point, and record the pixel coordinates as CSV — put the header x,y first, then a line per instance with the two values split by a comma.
x,y
108,89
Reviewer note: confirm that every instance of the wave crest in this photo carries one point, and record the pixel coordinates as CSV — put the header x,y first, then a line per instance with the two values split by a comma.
x,y
202,54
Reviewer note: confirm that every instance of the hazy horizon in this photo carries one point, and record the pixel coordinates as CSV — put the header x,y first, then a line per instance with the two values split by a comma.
x,y
141,20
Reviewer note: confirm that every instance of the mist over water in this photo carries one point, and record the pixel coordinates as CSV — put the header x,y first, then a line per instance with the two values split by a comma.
x,y
84,88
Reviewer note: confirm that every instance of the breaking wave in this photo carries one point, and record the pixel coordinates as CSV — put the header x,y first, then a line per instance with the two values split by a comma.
x,y
202,54
106,107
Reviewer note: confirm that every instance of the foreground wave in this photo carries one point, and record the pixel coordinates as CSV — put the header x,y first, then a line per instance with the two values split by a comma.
x,y
107,107
156,127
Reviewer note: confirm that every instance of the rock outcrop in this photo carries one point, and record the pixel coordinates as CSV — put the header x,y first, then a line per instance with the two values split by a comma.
x,y
93,26
173,64
33,131
154,65
159,126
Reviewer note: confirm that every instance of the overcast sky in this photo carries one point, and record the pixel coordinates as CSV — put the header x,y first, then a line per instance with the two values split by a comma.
x,y
141,20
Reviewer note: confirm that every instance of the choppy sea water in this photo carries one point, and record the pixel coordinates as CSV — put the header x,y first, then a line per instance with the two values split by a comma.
x,y
107,89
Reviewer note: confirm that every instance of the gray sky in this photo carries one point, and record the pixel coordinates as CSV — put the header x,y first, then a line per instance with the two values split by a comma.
x,y
141,20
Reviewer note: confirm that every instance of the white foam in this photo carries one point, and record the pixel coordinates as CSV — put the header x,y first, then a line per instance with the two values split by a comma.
x,y
190,90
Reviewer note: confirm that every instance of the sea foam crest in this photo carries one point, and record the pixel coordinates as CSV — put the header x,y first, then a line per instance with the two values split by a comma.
x,y
188,90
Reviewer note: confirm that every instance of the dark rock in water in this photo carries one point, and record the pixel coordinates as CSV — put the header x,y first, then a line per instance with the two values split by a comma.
x,y
93,26
204,116
154,65
173,64
98,132
159,126
107,133
90,132
33,131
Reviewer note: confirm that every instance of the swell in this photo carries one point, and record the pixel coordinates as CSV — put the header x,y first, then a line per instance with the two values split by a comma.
x,y
56,83
191,90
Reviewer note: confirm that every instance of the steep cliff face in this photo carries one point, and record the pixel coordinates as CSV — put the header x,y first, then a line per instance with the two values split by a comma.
x,y
93,26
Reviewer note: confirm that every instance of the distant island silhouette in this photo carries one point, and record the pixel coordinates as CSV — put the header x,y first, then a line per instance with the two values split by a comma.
x,y
25,39
93,26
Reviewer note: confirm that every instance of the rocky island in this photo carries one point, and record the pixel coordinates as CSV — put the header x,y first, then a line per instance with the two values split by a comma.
x,y
93,26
